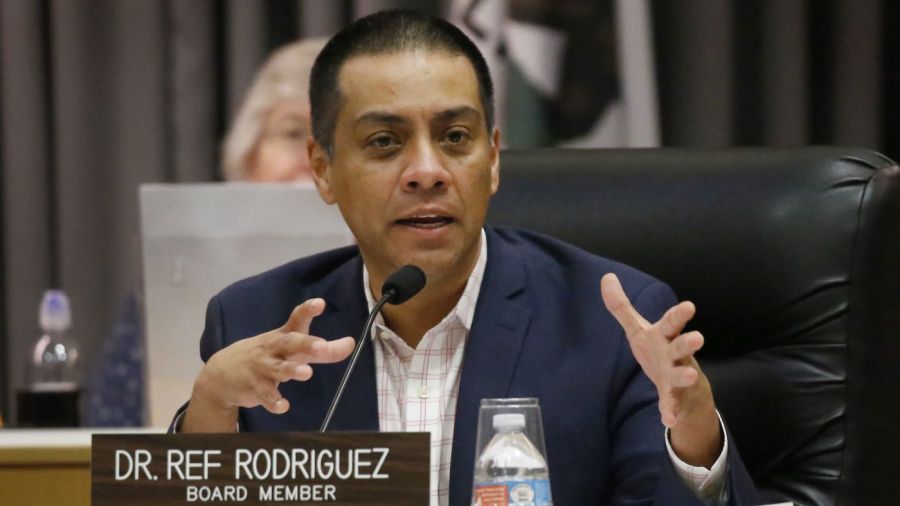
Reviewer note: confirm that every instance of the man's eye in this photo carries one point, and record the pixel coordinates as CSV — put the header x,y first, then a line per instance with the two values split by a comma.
x,y
383,141
456,136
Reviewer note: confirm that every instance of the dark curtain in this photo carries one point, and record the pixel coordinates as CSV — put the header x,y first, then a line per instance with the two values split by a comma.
x,y
99,96
773,72
890,66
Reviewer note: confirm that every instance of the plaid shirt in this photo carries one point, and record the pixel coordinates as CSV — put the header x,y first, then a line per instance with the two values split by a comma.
x,y
417,389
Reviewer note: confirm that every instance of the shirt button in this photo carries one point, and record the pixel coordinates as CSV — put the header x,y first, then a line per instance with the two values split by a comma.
x,y
423,391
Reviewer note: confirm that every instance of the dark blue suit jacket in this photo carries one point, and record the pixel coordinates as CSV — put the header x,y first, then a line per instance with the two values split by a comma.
x,y
540,330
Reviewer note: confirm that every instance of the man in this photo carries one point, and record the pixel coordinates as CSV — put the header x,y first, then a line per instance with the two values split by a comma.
x,y
405,145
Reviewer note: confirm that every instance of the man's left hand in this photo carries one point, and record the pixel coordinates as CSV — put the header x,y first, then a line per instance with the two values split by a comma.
x,y
666,355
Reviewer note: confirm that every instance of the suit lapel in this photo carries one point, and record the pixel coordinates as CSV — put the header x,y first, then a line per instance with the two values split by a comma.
x,y
345,315
492,352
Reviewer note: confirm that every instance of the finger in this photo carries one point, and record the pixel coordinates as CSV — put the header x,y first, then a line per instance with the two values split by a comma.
x,y
672,323
685,345
273,402
279,407
288,370
667,410
618,304
302,316
294,344
306,349
684,376
329,352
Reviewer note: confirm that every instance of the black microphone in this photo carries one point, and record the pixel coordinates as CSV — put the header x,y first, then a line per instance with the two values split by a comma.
x,y
403,284
399,287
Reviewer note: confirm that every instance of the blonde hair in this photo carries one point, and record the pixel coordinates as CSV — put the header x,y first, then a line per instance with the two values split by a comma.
x,y
283,77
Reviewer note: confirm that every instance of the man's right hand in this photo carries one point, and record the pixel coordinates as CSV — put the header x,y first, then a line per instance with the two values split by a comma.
x,y
247,373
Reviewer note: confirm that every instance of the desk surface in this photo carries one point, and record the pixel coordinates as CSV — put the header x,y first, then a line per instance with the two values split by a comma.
x,y
54,446
50,466
55,438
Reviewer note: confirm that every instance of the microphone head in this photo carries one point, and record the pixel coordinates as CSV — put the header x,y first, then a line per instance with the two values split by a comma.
x,y
404,282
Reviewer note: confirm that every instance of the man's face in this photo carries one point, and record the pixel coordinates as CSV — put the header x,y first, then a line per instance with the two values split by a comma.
x,y
413,165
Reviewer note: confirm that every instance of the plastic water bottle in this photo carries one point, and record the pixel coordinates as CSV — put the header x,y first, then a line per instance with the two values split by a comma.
x,y
511,470
54,370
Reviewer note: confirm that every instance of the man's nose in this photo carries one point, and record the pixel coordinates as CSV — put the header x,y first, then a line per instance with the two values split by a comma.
x,y
426,170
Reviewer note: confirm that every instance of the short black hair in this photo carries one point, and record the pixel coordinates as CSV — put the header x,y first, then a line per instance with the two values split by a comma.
x,y
386,32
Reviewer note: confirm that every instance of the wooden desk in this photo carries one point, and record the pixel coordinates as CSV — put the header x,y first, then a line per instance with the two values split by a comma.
x,y
48,466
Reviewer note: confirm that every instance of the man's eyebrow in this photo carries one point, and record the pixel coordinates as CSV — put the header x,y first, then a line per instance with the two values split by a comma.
x,y
396,119
456,112
382,117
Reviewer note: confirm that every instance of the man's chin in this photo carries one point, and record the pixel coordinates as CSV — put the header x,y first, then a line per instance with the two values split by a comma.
x,y
440,265
445,260
433,263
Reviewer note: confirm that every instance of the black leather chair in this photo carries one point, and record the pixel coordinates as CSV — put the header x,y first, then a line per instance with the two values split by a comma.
x,y
792,257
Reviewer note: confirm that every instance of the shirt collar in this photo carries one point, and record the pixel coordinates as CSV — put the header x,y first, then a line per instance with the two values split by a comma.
x,y
464,310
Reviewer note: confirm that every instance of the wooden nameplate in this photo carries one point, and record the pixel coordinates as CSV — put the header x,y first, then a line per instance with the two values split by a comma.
x,y
335,468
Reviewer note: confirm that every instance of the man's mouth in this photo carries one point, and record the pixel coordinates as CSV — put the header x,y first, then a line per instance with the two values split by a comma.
x,y
426,221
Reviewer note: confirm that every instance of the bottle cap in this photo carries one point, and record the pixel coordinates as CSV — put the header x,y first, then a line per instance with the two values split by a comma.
x,y
55,312
509,420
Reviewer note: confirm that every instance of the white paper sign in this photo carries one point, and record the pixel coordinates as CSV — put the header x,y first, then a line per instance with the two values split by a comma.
x,y
198,239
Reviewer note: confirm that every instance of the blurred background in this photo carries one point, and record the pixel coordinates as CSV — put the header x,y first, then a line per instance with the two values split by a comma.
x,y
99,96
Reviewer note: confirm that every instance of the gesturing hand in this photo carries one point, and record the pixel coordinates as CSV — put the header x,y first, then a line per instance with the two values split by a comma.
x,y
248,372
666,355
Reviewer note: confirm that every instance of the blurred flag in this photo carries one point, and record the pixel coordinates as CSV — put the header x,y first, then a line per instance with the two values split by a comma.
x,y
116,387
484,21
576,73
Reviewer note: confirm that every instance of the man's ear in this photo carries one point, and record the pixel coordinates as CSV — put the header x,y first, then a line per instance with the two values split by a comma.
x,y
320,166
495,160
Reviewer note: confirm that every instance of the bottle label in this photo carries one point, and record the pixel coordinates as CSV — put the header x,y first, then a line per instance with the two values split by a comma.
x,y
513,493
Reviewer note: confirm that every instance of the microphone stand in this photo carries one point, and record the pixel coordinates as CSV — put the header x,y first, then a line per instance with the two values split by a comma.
x,y
367,328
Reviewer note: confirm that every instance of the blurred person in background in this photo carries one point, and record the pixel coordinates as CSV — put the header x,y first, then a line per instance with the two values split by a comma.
x,y
267,140
266,143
